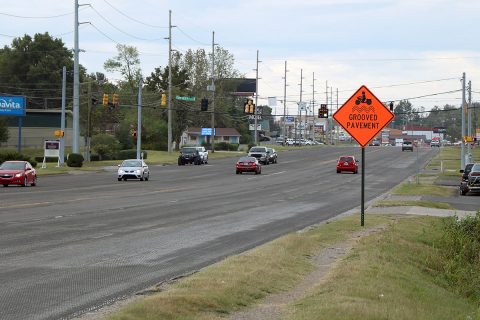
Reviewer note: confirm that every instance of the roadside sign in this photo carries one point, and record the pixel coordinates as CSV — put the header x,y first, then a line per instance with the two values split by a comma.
x,y
207,131
363,116
251,127
12,106
185,98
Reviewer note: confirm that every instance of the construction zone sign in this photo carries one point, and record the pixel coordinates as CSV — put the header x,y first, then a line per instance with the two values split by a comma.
x,y
363,116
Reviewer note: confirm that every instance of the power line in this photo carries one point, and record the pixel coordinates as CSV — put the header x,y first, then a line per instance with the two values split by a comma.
x,y
133,19
191,38
36,17
120,30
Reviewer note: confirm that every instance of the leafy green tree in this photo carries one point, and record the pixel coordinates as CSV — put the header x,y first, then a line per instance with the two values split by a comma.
x,y
127,62
105,145
33,67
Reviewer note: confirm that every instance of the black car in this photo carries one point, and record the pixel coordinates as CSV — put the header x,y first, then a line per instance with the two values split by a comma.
x,y
272,155
189,155
464,182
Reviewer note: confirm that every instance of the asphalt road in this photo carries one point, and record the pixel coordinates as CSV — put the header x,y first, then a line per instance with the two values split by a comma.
x,y
77,242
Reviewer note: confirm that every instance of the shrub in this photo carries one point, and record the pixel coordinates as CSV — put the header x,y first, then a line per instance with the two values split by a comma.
x,y
106,146
130,154
75,160
221,146
233,147
10,155
94,157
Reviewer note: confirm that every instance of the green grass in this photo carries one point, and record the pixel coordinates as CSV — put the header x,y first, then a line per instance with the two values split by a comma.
x,y
450,156
242,280
386,277
413,189
417,203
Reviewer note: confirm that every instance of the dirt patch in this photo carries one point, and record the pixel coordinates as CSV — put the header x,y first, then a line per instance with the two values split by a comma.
x,y
274,305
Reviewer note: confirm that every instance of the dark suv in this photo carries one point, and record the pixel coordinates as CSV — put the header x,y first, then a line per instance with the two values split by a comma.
x,y
464,183
189,155
407,145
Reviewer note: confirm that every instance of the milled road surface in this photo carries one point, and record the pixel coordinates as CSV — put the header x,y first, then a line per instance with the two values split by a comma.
x,y
77,242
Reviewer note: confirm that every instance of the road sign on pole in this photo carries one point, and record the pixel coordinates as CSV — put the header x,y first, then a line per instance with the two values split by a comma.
x,y
363,116
185,98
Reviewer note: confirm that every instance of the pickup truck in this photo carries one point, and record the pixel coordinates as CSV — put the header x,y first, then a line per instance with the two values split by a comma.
x,y
260,153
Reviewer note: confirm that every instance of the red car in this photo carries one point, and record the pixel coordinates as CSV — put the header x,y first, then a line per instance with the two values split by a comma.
x,y
17,172
248,164
347,163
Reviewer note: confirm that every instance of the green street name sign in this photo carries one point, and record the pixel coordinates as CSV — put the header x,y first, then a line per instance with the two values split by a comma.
x,y
185,98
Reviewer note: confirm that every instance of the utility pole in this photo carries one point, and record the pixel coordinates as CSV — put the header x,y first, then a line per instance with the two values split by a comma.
x,y
76,84
62,119
331,112
336,109
300,104
327,127
169,111
469,125
213,92
139,119
313,107
285,105
256,102
462,152
89,103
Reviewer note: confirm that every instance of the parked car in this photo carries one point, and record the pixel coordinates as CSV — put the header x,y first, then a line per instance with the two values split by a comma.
x,y
191,155
260,153
347,163
17,172
133,169
472,182
407,145
272,155
375,143
248,164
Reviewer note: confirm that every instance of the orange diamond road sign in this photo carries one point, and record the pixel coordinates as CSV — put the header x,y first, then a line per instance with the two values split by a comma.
x,y
363,116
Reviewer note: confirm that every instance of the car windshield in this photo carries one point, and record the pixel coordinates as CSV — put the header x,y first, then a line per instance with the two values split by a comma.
x,y
188,150
346,159
12,166
476,167
407,142
132,163
257,150
269,150
246,159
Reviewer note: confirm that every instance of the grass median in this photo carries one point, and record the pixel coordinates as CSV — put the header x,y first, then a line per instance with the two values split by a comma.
x,y
393,274
413,189
416,203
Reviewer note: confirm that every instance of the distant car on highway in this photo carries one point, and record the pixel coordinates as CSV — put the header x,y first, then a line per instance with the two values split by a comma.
x,y
133,169
407,145
347,163
248,164
19,173
375,143
195,155
260,153
272,155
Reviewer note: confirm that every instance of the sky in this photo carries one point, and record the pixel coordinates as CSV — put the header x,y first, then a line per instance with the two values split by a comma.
x,y
399,49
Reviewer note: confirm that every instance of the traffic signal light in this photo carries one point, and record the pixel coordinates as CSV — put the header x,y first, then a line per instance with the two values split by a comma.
x,y
59,133
391,106
249,107
163,102
204,104
323,111
115,100
105,100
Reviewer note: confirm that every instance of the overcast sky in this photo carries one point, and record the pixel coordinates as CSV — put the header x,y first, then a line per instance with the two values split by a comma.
x,y
400,49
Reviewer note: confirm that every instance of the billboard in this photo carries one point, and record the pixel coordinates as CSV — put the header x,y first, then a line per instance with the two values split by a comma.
x,y
289,120
13,106
208,131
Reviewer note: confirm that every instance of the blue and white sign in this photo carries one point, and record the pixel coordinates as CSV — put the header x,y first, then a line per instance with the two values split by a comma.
x,y
207,131
289,120
12,106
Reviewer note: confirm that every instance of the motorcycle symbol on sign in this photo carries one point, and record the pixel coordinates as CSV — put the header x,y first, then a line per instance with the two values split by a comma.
x,y
363,99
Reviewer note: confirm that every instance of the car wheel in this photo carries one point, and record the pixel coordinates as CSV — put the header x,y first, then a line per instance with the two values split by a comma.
x,y
25,181
338,171
260,171
463,192
119,179
5,185
179,162
147,177
124,179
237,172
34,182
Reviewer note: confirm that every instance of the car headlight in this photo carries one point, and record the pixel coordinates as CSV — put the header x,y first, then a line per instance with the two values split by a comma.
x,y
120,171
18,175
137,171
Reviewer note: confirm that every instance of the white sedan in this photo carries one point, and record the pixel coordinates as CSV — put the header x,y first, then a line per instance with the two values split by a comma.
x,y
133,169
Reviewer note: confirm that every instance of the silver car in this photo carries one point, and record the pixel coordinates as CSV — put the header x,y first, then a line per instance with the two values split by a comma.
x,y
133,169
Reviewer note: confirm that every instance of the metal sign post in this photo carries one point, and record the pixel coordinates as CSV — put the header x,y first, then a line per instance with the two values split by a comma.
x,y
363,116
